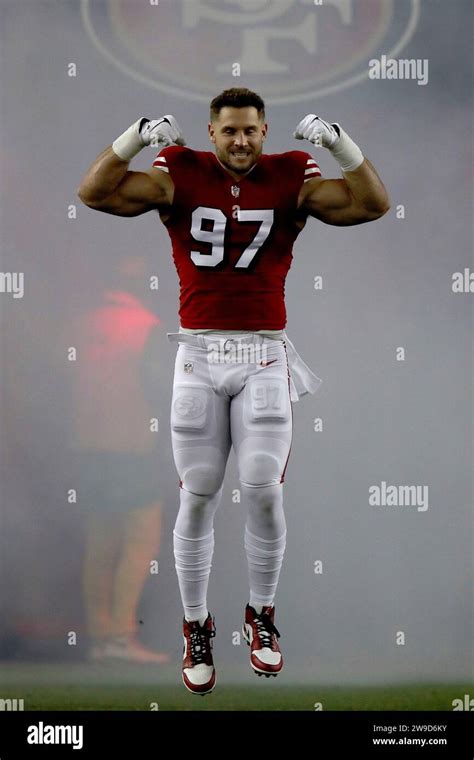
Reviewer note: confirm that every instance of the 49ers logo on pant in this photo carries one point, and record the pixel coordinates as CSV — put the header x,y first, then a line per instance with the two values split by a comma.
x,y
189,406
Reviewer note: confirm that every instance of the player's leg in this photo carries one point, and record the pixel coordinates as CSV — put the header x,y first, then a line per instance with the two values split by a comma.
x,y
102,544
103,536
201,443
261,427
122,537
140,545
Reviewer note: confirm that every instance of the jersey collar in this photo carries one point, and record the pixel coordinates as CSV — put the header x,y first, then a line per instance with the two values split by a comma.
x,y
244,176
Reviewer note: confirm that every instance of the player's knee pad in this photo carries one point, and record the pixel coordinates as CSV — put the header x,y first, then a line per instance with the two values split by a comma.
x,y
262,462
202,480
190,409
200,468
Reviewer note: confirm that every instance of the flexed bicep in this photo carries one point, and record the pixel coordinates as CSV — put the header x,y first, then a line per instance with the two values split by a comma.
x,y
108,185
138,193
331,201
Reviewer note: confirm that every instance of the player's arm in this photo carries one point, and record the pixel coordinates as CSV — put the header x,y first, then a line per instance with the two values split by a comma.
x,y
359,197
109,186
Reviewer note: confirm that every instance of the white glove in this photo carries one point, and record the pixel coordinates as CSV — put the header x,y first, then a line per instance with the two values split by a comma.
x,y
347,154
161,132
317,131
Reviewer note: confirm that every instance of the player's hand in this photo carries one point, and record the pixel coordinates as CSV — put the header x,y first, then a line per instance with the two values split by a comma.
x,y
317,131
161,132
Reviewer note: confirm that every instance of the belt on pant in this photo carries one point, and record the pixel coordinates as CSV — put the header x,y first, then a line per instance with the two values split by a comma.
x,y
302,378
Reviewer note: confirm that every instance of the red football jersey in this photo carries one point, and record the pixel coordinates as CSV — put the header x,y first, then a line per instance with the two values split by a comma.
x,y
233,239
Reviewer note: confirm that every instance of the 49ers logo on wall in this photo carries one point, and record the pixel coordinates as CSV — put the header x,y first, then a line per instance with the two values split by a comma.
x,y
285,49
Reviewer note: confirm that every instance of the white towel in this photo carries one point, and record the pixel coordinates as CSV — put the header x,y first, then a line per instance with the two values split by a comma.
x,y
302,378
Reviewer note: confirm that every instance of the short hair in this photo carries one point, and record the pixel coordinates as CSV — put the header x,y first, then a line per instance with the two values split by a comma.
x,y
237,97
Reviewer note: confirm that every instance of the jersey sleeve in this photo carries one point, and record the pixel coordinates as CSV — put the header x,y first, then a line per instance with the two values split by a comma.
x,y
170,160
301,166
161,161
310,168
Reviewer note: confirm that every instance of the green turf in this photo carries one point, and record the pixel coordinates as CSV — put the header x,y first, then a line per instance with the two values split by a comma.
x,y
264,695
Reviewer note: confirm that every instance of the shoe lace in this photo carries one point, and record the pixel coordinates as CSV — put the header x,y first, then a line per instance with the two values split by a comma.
x,y
266,631
200,643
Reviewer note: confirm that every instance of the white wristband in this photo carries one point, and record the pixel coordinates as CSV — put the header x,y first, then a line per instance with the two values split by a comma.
x,y
347,154
129,143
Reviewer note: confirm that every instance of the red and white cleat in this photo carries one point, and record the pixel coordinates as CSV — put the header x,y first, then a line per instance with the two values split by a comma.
x,y
261,635
199,675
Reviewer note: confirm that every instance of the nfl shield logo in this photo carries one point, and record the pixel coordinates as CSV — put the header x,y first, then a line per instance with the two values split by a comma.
x,y
188,367
235,190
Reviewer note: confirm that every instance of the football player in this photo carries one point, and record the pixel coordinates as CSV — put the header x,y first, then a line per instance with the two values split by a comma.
x,y
233,215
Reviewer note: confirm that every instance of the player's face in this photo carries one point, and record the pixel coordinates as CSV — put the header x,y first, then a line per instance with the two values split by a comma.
x,y
238,134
